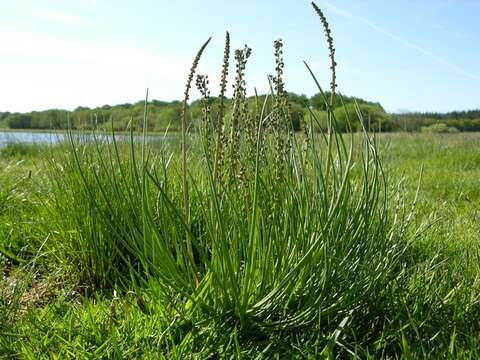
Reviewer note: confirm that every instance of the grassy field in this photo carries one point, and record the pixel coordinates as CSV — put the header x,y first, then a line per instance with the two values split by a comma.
x,y
243,238
67,293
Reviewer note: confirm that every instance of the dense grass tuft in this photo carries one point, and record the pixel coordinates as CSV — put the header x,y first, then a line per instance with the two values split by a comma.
x,y
278,238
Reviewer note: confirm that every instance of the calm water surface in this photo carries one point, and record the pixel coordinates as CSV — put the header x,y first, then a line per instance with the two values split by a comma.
x,y
30,137
56,137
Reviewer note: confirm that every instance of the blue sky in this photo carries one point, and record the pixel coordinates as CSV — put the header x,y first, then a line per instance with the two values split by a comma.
x,y
408,55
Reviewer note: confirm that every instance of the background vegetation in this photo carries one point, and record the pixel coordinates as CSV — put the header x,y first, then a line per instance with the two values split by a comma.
x,y
166,115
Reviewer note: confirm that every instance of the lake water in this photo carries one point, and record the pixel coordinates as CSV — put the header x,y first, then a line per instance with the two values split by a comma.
x,y
56,137
30,137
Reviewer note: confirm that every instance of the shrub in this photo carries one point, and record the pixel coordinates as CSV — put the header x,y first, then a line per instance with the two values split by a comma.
x,y
347,118
19,121
439,128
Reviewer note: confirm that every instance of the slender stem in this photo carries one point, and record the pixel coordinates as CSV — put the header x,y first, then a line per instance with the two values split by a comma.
x,y
186,201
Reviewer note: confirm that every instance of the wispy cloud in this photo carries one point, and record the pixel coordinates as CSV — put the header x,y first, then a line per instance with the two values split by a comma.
x,y
41,71
119,56
435,57
59,17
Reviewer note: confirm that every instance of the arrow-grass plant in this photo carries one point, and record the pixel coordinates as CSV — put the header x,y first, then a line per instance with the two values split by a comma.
x,y
230,241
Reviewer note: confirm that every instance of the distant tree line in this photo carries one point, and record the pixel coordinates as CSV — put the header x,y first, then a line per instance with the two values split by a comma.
x,y
450,122
455,115
164,115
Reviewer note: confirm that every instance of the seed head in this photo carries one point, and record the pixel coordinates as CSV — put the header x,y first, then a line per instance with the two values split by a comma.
x,y
331,49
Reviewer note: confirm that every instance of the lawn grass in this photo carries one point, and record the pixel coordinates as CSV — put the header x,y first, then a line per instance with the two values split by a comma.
x,y
49,309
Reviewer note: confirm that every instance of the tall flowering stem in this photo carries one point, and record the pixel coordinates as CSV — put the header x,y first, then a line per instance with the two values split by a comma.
x,y
331,50
186,201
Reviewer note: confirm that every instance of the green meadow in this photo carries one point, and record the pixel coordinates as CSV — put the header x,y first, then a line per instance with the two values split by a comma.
x,y
67,292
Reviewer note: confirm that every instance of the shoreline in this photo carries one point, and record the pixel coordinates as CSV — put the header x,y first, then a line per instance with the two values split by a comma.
x,y
97,131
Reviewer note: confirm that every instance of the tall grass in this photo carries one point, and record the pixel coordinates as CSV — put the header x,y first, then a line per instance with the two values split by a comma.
x,y
245,226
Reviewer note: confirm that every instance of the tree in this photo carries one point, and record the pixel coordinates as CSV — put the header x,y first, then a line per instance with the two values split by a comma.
x,y
19,121
373,116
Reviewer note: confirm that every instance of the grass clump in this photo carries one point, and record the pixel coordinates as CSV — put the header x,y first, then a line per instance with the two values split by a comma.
x,y
274,240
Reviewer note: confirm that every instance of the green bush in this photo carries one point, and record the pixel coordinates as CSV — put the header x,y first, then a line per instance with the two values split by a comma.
x,y
347,119
439,128
19,121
